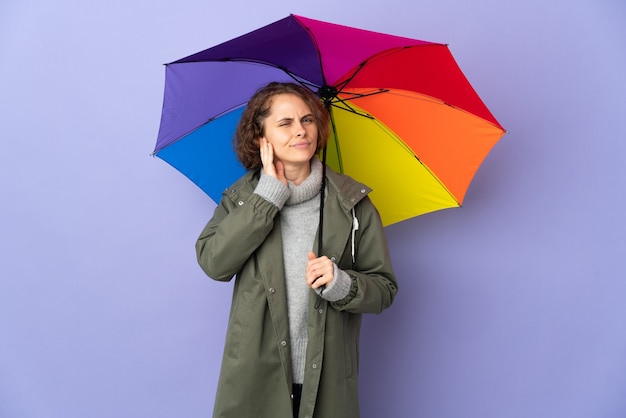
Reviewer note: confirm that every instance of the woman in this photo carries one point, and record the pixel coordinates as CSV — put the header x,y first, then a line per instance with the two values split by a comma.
x,y
286,353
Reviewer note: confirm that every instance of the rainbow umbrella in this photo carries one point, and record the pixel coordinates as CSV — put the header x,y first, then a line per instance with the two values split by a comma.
x,y
406,121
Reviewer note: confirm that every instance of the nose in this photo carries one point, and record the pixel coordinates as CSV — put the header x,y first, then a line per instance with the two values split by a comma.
x,y
300,130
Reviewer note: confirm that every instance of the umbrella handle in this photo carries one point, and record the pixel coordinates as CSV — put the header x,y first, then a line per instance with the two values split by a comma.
x,y
318,302
322,196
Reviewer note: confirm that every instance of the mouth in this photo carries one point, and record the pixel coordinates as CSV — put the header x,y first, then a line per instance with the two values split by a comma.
x,y
304,144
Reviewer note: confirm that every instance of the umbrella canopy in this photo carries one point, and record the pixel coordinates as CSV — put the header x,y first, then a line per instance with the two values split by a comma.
x,y
406,121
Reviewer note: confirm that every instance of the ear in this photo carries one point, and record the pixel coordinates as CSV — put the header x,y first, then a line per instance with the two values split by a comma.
x,y
258,129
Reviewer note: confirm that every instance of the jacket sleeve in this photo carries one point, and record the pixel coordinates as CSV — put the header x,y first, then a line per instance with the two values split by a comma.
x,y
238,227
374,284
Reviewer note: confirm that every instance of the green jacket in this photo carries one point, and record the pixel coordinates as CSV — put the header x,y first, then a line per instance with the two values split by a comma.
x,y
243,239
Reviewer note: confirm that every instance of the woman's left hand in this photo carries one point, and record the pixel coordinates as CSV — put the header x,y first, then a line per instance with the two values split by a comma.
x,y
320,271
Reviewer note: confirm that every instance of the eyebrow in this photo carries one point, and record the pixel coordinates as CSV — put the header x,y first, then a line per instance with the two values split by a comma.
x,y
285,120
308,115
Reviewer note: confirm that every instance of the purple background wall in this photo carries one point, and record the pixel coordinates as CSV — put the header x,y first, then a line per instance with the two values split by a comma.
x,y
512,306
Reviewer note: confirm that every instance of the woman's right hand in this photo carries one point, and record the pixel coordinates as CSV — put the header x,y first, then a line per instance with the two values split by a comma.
x,y
271,167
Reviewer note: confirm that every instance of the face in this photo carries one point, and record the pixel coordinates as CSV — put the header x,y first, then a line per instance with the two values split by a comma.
x,y
291,129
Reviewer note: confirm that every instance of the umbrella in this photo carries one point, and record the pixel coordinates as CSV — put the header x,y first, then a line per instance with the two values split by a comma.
x,y
406,121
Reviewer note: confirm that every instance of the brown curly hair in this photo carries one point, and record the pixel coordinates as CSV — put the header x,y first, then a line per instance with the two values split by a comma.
x,y
251,126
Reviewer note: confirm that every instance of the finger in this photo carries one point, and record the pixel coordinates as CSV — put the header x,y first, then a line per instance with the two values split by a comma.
x,y
312,264
321,281
267,157
319,265
263,150
319,274
266,151
313,276
270,151
315,279
318,283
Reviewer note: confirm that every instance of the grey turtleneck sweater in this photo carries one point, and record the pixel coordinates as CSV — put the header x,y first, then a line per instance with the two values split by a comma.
x,y
299,219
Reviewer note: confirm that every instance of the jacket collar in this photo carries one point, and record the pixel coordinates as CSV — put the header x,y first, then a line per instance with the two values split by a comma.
x,y
348,191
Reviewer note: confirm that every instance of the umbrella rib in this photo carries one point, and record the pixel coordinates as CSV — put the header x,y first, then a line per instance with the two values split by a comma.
x,y
209,120
350,109
346,106
317,50
337,148
372,58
